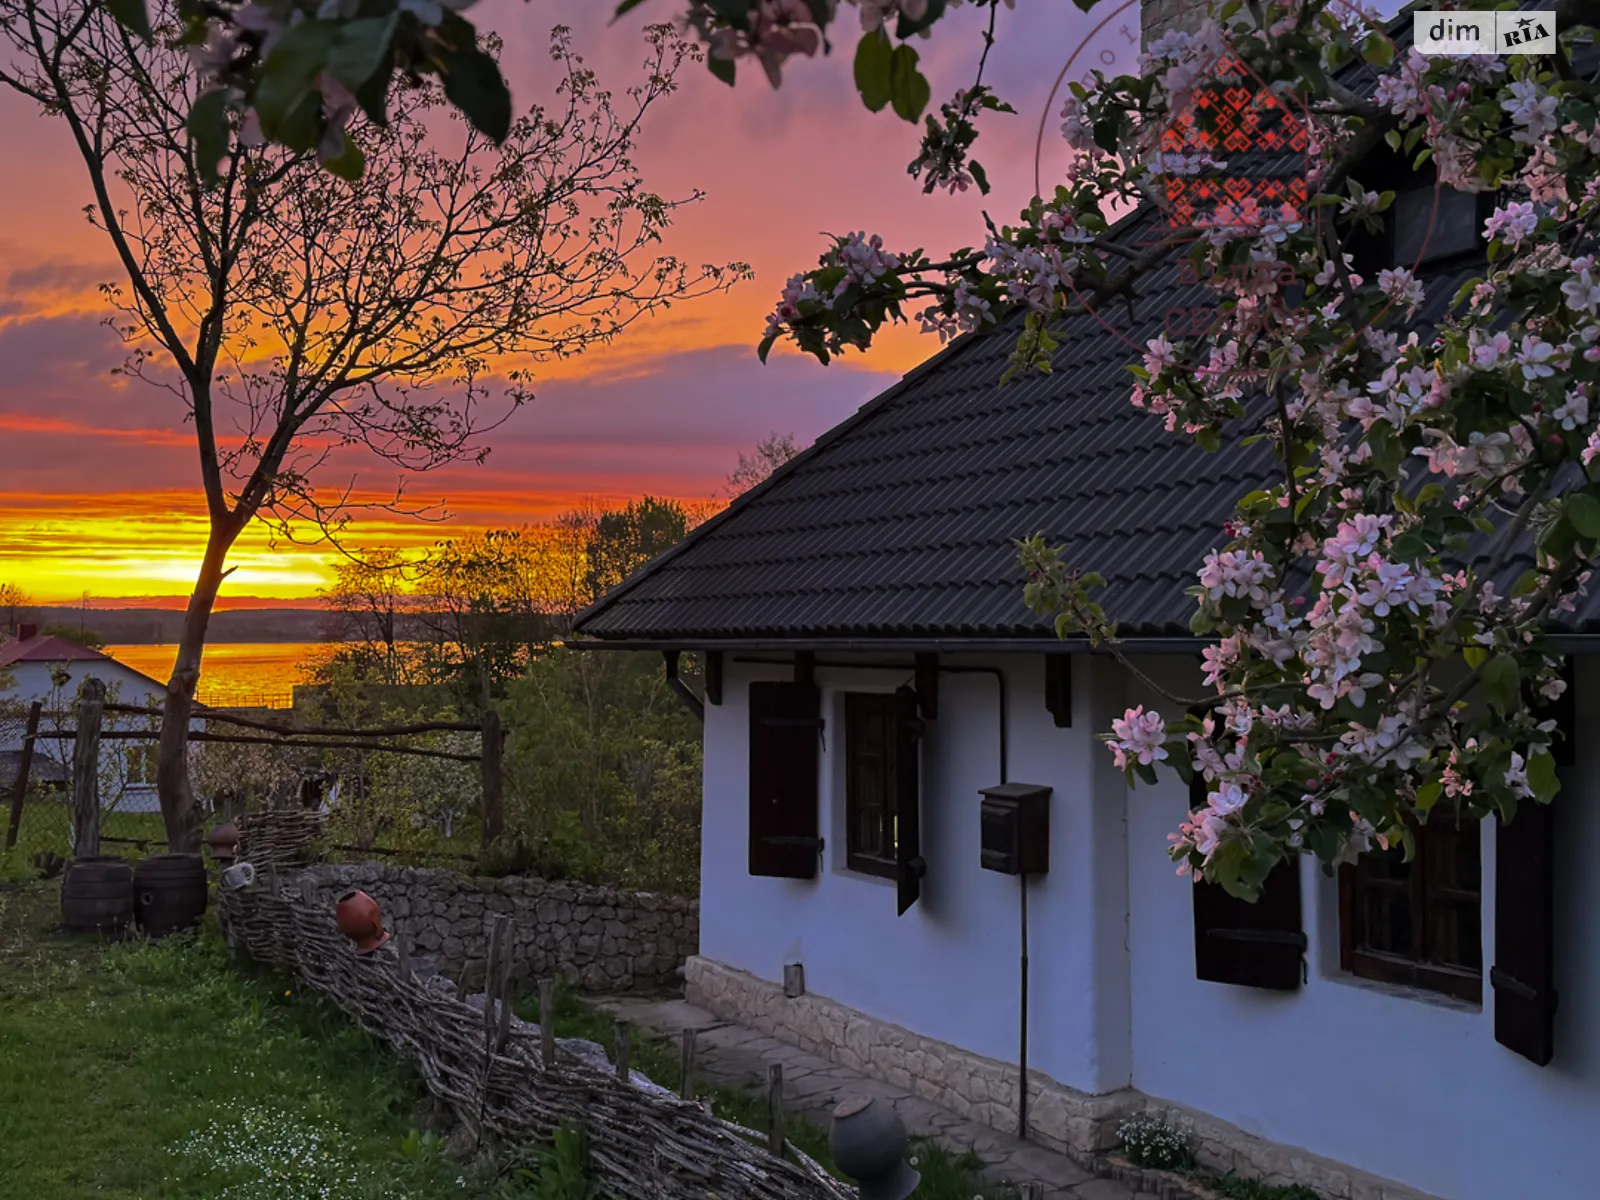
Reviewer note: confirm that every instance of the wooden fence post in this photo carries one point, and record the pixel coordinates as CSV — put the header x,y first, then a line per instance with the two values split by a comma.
x,y
775,1132
547,1022
686,1066
19,789
622,1049
494,817
86,770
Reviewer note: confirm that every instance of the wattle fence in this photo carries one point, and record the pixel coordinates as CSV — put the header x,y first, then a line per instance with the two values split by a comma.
x,y
505,1077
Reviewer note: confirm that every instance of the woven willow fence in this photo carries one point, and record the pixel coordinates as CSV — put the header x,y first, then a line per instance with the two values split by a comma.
x,y
501,1076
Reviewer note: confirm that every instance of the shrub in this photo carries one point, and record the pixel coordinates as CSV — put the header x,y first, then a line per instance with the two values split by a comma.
x,y
1149,1143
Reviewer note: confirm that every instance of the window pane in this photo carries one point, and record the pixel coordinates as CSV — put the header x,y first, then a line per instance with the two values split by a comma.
x,y
869,724
1384,901
1456,933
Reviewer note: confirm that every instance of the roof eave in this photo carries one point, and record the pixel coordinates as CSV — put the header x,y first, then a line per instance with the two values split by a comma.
x,y
1043,644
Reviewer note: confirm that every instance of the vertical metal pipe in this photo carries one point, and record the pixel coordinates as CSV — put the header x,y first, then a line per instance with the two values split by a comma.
x,y
1022,1051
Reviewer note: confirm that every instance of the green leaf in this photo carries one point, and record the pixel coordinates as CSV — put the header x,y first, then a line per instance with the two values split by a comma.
x,y
208,132
1428,795
349,164
286,99
979,176
373,95
722,68
909,90
472,82
1501,682
131,15
1583,510
1378,50
360,48
1475,656
1542,779
874,55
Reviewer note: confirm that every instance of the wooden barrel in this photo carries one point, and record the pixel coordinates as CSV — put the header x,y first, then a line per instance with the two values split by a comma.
x,y
169,892
97,895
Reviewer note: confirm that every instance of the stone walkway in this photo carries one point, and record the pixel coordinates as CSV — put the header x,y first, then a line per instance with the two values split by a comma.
x,y
734,1055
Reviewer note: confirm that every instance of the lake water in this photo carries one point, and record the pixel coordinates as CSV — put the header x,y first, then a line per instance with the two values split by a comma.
x,y
232,673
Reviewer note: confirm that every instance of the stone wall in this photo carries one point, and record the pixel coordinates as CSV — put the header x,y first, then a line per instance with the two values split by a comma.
x,y
985,1090
601,939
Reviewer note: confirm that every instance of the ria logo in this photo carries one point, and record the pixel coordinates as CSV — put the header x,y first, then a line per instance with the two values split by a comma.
x,y
1465,33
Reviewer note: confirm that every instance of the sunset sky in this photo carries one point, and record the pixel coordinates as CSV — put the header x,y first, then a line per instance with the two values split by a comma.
x,y
99,490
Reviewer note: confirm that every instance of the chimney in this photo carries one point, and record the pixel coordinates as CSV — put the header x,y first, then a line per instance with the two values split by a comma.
x,y
24,632
1157,17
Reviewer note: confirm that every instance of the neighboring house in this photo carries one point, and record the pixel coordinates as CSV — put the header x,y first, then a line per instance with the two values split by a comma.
x,y
870,669
128,775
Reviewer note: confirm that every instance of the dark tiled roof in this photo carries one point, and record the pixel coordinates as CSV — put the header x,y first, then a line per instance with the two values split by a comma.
x,y
901,522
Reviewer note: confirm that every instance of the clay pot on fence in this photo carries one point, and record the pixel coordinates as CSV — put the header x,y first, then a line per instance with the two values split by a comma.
x,y
170,893
361,920
97,895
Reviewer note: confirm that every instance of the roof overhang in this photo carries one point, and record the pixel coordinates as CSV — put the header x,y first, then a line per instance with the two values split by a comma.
x,y
909,645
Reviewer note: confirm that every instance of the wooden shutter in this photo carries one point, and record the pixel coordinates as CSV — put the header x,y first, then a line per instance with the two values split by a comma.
x,y
1253,945
785,729
1523,975
909,864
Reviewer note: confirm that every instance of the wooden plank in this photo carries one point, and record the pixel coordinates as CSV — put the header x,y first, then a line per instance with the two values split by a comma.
x,y
19,787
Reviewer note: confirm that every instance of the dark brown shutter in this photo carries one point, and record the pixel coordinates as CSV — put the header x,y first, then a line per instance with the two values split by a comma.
x,y
1260,944
907,799
1523,975
785,729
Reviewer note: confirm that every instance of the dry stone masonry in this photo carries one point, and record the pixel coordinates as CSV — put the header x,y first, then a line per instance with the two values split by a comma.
x,y
601,939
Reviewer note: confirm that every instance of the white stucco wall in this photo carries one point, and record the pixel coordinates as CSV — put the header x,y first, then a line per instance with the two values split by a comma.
x,y
1415,1091
948,969
33,682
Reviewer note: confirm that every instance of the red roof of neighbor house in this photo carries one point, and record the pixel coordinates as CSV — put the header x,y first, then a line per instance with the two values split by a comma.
x,y
46,648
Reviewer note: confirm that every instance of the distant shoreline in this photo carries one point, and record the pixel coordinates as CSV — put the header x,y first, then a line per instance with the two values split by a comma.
x,y
164,626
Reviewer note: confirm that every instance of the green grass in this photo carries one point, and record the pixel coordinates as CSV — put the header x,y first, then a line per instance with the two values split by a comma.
x,y
156,1071
945,1176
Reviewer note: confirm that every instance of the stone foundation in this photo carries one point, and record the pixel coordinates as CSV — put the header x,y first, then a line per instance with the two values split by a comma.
x,y
985,1090
969,1085
599,938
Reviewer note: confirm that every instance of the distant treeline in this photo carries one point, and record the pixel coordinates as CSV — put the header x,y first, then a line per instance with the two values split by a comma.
x,y
161,626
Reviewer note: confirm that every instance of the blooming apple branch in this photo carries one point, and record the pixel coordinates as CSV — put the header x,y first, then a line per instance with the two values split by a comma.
x,y
1377,618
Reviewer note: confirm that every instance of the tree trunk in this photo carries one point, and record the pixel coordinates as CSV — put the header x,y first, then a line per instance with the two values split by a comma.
x,y
178,809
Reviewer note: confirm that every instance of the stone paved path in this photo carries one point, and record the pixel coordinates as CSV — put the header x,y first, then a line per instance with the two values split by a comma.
x,y
731,1054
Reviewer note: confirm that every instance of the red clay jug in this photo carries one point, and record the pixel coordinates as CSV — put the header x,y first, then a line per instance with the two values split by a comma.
x,y
361,920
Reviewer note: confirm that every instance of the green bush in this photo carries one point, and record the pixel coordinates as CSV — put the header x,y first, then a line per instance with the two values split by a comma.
x,y
603,774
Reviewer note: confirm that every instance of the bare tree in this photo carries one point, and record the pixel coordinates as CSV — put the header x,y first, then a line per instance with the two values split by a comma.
x,y
771,452
296,315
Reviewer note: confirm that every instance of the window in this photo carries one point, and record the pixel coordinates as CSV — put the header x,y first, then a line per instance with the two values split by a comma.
x,y
1424,232
869,789
142,763
1418,923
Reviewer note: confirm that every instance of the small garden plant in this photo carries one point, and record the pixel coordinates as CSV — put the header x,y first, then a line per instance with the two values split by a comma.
x,y
1148,1142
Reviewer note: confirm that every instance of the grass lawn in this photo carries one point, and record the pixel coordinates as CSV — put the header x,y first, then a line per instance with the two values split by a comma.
x,y
162,1071
158,1072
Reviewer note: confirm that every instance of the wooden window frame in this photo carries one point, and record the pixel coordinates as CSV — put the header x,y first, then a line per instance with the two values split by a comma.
x,y
856,704
1461,983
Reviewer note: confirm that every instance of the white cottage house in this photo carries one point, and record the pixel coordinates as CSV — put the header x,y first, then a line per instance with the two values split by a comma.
x,y
50,670
890,735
